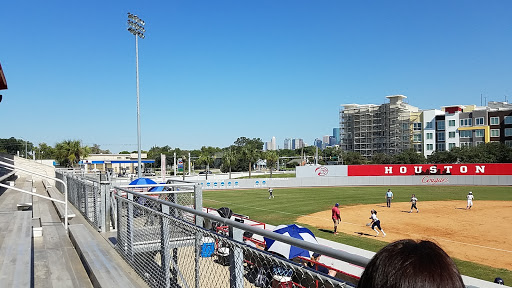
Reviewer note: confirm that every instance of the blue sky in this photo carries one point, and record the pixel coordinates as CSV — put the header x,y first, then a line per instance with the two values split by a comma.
x,y
213,71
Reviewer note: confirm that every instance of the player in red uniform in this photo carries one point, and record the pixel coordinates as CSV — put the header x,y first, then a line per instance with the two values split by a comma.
x,y
336,218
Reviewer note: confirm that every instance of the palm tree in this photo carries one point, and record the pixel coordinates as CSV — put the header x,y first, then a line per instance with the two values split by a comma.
x,y
228,160
272,158
251,155
205,158
68,153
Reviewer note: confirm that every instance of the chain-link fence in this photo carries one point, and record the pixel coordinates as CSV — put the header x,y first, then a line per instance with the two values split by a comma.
x,y
159,240
161,233
89,196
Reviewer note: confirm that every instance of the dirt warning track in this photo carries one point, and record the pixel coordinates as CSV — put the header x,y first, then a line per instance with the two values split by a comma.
x,y
482,234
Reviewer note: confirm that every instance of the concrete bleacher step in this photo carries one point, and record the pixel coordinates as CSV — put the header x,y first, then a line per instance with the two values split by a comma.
x,y
37,228
16,249
56,263
54,193
103,266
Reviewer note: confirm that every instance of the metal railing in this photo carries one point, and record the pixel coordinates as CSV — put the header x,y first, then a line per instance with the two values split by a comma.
x,y
162,235
167,246
26,171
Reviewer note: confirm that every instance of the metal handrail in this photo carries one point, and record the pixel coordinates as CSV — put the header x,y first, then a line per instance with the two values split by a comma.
x,y
42,176
328,251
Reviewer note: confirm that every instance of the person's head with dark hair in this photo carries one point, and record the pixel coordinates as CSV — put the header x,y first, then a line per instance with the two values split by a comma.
x,y
408,263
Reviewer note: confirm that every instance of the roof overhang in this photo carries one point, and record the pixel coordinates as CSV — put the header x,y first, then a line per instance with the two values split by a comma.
x,y
3,82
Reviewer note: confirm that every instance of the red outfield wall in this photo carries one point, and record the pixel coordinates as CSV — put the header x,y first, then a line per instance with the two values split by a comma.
x,y
430,169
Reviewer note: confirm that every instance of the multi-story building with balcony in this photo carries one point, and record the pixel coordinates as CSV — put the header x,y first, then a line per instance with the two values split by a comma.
x,y
396,126
370,129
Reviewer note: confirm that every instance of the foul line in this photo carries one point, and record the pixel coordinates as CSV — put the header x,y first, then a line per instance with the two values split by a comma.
x,y
343,222
474,245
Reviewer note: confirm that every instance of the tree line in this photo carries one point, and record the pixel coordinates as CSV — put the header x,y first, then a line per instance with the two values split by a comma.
x,y
67,153
244,153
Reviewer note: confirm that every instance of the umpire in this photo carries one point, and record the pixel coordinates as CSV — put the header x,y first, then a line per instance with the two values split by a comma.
x,y
389,197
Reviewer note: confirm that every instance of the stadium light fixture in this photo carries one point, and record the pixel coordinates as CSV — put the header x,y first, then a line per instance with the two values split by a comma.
x,y
136,27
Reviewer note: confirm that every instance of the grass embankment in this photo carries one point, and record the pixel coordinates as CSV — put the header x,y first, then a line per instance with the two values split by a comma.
x,y
290,203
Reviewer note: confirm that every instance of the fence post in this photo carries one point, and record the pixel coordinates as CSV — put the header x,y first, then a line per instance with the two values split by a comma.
x,y
165,250
84,193
198,205
108,200
104,206
174,269
129,226
236,259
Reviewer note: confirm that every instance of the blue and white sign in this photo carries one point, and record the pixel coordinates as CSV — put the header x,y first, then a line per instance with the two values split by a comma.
x,y
236,183
222,184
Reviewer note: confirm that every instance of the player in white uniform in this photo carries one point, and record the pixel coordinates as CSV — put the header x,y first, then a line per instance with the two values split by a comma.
x,y
413,203
470,200
376,223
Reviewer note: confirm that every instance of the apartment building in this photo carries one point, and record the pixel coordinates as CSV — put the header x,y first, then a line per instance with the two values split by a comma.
x,y
428,124
396,126
370,129
500,122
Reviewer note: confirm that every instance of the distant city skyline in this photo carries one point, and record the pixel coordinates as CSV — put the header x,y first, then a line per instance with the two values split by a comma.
x,y
213,71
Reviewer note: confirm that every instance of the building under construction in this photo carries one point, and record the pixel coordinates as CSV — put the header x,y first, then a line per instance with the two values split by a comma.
x,y
370,129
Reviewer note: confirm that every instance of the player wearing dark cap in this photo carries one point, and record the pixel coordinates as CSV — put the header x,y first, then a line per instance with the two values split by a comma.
x,y
336,218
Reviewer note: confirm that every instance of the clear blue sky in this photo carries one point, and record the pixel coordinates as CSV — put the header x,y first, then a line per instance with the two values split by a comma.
x,y
213,71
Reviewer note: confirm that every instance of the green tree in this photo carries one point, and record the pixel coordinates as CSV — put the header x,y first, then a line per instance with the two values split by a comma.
x,y
381,158
68,153
155,152
287,153
352,158
409,157
124,152
249,151
228,159
45,151
498,151
272,158
206,158
95,149
442,157
13,145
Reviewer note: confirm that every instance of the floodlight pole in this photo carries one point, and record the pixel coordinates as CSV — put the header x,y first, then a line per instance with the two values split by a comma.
x,y
139,161
136,27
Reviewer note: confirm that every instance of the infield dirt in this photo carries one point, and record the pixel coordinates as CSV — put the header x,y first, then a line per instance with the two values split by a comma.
x,y
482,234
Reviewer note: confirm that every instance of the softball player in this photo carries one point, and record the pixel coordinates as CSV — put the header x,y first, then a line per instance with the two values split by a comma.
x,y
470,200
413,203
376,223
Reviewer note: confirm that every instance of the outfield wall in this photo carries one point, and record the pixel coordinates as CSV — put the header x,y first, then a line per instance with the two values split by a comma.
x,y
378,175
496,180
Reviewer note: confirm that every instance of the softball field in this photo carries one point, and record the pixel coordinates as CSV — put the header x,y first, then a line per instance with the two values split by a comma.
x,y
482,234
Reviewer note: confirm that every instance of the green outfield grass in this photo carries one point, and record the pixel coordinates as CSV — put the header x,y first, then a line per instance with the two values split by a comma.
x,y
290,203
